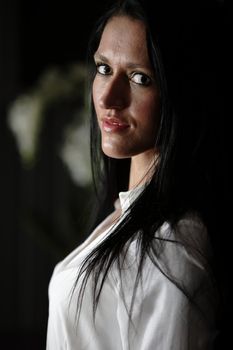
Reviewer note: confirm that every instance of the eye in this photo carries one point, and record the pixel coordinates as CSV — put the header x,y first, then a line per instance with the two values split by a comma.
x,y
103,69
141,79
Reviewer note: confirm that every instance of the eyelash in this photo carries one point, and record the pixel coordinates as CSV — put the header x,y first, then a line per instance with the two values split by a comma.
x,y
131,76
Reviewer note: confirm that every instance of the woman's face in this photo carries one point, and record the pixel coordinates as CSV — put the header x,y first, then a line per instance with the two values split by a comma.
x,y
125,94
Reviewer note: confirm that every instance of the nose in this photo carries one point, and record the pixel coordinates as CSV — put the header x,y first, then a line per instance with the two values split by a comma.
x,y
115,93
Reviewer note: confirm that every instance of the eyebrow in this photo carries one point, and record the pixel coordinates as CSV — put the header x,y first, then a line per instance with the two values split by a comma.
x,y
131,65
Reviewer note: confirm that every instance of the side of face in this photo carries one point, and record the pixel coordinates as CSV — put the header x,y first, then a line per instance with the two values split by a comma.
x,y
125,93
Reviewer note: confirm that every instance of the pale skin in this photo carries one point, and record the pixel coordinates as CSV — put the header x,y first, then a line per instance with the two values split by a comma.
x,y
126,96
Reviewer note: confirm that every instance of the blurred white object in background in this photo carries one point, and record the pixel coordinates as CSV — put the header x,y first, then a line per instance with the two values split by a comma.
x,y
26,118
75,153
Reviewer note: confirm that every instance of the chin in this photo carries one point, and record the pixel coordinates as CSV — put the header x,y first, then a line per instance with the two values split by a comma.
x,y
114,153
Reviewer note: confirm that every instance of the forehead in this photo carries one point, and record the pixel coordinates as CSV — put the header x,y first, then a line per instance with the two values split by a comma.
x,y
124,36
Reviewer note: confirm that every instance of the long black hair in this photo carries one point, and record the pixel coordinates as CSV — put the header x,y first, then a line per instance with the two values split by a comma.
x,y
180,184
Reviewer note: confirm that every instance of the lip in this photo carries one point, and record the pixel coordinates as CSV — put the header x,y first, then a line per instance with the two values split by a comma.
x,y
113,125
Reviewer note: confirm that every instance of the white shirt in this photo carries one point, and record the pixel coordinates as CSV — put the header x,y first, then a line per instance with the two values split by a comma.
x,y
162,318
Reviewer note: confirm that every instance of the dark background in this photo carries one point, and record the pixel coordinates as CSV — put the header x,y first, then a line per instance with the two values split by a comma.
x,y
33,37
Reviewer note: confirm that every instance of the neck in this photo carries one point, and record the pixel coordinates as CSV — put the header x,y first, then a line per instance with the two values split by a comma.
x,y
142,168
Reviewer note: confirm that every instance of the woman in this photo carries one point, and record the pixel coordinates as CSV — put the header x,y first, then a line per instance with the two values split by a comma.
x,y
143,278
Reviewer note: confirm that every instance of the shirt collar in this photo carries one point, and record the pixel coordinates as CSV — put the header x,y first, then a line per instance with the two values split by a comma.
x,y
128,197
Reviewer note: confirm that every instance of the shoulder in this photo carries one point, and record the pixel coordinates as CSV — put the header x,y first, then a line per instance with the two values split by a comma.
x,y
191,233
187,240
181,251
188,236
191,228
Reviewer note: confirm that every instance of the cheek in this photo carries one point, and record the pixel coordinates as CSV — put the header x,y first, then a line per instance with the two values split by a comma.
x,y
148,112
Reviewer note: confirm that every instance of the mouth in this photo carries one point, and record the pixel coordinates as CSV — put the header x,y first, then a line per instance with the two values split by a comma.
x,y
113,125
